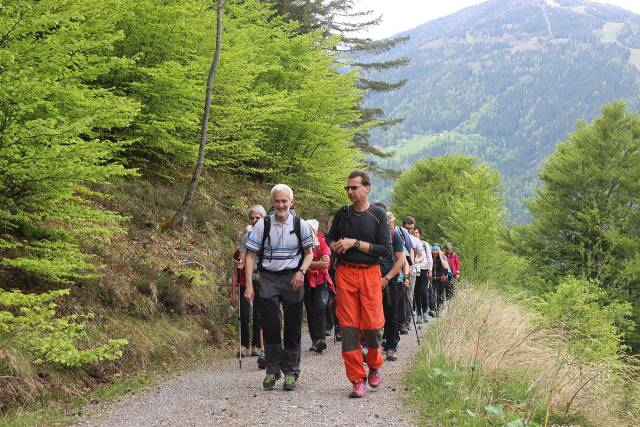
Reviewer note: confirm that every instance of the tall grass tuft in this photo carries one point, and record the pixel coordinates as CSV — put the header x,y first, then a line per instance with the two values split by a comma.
x,y
489,361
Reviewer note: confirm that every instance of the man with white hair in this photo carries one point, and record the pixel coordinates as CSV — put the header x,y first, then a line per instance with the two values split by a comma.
x,y
282,244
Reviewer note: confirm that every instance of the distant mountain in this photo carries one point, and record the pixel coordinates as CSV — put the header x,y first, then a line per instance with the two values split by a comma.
x,y
506,81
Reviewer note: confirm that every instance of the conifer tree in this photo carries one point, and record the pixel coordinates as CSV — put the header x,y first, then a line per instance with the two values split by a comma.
x,y
342,18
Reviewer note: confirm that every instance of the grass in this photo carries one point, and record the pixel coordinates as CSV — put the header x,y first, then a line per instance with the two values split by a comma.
x,y
486,363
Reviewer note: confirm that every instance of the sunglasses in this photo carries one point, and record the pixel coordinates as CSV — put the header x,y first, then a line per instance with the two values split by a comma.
x,y
351,187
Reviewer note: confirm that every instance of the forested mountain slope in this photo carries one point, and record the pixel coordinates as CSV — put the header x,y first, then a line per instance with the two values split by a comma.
x,y
506,80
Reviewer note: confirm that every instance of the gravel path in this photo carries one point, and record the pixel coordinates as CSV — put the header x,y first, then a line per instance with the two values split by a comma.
x,y
221,394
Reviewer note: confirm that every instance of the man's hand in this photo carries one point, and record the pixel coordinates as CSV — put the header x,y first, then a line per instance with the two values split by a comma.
x,y
343,245
457,276
239,264
297,281
406,282
385,282
248,293
233,298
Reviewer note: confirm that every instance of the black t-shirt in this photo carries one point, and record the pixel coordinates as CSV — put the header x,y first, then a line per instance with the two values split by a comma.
x,y
369,226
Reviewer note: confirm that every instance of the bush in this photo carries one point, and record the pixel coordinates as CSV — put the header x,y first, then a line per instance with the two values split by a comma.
x,y
29,324
594,326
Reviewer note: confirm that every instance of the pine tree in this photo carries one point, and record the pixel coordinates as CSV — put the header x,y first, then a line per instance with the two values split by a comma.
x,y
342,18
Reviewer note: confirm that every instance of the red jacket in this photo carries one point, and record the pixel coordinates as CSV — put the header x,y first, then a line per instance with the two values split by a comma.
x,y
454,263
318,277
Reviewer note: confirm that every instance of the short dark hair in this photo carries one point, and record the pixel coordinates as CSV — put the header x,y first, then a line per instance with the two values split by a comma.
x,y
366,179
419,230
380,205
409,220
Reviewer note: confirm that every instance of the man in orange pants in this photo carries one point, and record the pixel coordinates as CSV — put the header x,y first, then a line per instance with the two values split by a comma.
x,y
360,236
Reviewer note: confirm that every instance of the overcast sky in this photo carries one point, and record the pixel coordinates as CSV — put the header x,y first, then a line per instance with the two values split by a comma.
x,y
401,15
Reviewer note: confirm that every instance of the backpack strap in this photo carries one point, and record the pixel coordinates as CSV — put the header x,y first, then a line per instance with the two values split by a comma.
x,y
343,216
265,235
297,229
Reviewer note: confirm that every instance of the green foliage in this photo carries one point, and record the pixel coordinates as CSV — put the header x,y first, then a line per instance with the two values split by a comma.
x,y
456,200
425,190
52,116
594,325
280,110
586,217
28,322
473,220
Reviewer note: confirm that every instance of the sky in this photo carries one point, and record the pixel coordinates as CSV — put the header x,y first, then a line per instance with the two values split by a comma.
x,y
401,15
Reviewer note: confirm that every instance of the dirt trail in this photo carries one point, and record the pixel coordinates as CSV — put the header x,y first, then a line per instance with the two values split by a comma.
x,y
221,394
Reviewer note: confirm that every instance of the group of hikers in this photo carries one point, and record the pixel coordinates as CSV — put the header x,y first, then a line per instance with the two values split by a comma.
x,y
362,281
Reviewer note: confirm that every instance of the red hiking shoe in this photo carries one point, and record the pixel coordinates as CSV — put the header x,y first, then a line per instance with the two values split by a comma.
x,y
359,388
374,377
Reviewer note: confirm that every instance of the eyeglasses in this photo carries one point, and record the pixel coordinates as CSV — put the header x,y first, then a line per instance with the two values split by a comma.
x,y
351,187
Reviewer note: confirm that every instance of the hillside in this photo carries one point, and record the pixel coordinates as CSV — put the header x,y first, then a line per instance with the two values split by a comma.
x,y
506,81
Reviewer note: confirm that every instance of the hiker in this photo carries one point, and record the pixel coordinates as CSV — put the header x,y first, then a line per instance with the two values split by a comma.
x,y
283,246
409,224
454,265
318,288
394,282
256,213
423,279
359,236
440,276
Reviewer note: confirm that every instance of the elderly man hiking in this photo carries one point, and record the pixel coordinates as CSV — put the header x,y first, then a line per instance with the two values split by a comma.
x,y
283,245
360,236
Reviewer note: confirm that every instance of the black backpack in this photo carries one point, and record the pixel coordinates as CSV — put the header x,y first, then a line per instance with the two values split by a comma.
x,y
266,235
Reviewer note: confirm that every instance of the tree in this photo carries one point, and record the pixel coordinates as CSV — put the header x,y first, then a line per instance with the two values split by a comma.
x,y
586,217
425,190
53,116
343,19
191,189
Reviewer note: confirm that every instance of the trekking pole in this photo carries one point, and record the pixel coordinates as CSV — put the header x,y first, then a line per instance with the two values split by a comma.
x,y
239,321
413,317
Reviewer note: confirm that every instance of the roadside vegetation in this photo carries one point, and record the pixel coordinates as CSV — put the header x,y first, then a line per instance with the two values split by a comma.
x,y
545,329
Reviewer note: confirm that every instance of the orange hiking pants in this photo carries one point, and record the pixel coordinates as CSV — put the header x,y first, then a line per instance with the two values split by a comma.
x,y
359,310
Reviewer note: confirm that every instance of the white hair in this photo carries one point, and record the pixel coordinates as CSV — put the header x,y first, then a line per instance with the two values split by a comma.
x,y
257,209
314,224
281,187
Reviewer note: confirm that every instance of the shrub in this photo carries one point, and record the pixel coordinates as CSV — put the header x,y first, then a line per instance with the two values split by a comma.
x,y
593,325
29,324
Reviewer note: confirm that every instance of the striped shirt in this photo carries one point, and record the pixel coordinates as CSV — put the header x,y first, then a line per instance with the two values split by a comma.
x,y
281,248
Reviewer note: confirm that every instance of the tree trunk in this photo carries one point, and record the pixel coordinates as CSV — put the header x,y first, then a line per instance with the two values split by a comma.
x,y
178,218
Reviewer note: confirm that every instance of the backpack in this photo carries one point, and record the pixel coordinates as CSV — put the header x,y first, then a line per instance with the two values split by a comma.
x,y
266,235
406,245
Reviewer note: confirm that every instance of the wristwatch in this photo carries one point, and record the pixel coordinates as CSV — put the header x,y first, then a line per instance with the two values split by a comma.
x,y
302,271
357,244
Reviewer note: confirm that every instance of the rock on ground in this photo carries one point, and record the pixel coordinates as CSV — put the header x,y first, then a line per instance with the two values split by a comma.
x,y
222,394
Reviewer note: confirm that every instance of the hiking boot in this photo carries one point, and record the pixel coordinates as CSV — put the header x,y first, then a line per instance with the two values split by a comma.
x,y
245,352
391,355
359,389
374,377
320,346
313,347
403,330
270,381
289,382
262,362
